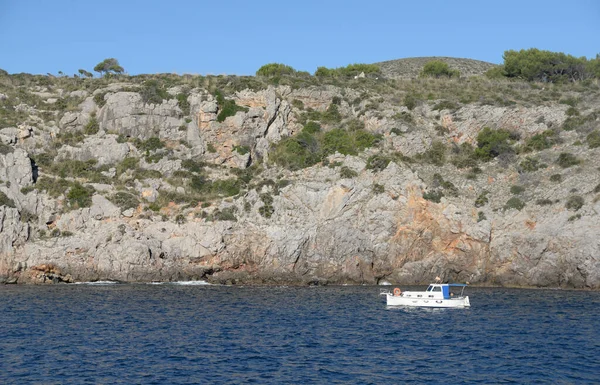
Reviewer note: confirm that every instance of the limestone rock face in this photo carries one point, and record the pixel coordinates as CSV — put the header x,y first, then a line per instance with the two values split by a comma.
x,y
15,167
105,150
339,221
125,113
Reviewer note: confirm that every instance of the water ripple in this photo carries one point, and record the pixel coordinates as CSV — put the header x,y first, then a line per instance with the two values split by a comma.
x,y
197,333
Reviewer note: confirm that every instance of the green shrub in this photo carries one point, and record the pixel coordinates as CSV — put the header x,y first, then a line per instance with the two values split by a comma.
x,y
338,140
436,154
492,143
151,144
349,71
6,201
463,156
574,217
184,105
437,69
514,203
433,195
347,173
593,139
72,138
544,202
242,150
311,127
154,92
267,209
225,187
80,196
92,127
296,152
125,200
405,117
597,188
410,101
226,214
445,105
575,202
193,165
53,187
572,111
275,69
180,219
546,66
377,162
227,107
569,101
378,188
211,148
566,160
5,148
154,207
541,141
557,178
516,189
481,216
99,99
127,164
530,164
482,199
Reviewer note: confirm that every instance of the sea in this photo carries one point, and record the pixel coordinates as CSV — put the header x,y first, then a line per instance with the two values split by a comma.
x,y
195,333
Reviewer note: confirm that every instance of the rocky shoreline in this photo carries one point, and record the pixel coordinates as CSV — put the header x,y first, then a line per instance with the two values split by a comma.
x,y
344,220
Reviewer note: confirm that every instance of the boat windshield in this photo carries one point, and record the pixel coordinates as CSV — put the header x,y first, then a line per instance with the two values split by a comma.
x,y
430,288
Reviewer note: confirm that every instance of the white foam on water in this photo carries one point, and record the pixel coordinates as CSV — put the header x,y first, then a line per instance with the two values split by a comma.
x,y
97,283
190,283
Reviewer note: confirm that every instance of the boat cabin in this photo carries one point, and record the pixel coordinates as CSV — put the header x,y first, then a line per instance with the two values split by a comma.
x,y
436,291
444,288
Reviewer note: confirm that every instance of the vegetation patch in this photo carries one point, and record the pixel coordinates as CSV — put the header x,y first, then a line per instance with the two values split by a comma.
x,y
80,196
593,139
6,201
227,107
566,160
514,203
482,199
438,69
574,202
433,195
492,143
125,200
541,141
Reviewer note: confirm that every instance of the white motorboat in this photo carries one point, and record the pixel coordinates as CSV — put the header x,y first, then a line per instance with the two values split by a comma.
x,y
436,295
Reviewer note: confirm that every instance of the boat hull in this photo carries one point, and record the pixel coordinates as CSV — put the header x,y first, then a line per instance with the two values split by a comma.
x,y
393,300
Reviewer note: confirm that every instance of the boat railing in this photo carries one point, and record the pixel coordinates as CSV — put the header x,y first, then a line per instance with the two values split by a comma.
x,y
385,292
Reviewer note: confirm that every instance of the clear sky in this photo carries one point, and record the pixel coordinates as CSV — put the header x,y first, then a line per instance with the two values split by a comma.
x,y
237,37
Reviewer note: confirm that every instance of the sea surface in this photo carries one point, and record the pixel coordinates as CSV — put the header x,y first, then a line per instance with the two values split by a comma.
x,y
203,334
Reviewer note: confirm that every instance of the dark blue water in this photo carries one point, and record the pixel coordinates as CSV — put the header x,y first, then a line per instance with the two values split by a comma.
x,y
170,334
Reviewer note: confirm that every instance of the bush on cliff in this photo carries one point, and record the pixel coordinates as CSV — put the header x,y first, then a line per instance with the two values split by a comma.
x,y
275,69
575,202
227,107
80,196
6,201
438,69
350,70
492,143
546,66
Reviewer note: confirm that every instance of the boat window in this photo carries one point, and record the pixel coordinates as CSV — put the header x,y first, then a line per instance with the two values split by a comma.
x,y
429,288
437,289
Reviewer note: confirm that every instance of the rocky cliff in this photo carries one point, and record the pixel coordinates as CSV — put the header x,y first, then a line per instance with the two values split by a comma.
x,y
174,178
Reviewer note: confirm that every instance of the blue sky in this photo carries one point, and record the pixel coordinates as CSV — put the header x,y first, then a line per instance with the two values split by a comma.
x,y
237,37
